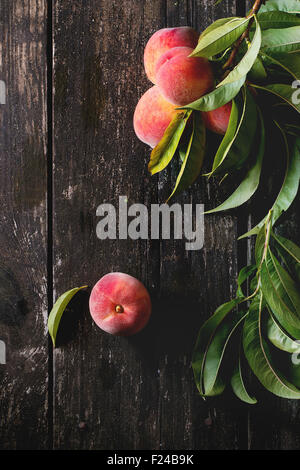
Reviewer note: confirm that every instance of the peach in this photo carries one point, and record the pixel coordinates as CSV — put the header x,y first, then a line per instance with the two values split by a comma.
x,y
152,116
218,119
183,79
166,39
120,304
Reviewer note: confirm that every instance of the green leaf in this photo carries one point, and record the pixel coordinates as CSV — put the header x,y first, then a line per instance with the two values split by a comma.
x,y
281,40
216,351
281,294
218,39
217,98
163,153
277,19
205,336
246,63
230,134
251,181
291,6
258,71
288,62
272,285
237,142
258,354
244,274
192,164
238,384
290,251
284,92
216,24
288,190
58,309
279,338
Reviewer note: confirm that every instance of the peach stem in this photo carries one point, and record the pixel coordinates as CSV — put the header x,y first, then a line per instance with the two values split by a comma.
x,y
119,309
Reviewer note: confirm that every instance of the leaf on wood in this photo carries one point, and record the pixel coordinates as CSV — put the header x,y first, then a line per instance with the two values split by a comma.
x,y
205,337
243,276
58,310
238,383
216,350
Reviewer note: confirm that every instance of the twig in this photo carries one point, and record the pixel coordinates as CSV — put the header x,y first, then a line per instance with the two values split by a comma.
x,y
230,62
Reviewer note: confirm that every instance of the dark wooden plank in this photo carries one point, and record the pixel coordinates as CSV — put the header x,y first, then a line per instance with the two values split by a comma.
x,y
23,269
192,285
137,393
106,389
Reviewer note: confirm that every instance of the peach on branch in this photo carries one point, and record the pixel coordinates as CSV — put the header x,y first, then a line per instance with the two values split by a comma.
x,y
152,116
218,119
162,41
183,79
120,304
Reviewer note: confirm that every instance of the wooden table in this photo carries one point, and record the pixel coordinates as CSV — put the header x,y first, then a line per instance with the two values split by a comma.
x,y
73,73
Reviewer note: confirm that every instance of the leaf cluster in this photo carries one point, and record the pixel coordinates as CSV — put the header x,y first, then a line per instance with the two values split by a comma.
x,y
257,65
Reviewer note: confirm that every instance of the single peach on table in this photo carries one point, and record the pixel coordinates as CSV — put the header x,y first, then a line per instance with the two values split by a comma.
x,y
217,120
120,304
166,39
152,116
183,79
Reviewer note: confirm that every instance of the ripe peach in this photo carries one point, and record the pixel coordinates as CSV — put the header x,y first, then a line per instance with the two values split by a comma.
x,y
183,79
218,119
166,39
152,116
120,304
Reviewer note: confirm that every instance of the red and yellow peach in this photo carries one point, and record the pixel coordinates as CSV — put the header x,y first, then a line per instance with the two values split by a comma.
x,y
152,116
183,79
120,304
218,119
162,41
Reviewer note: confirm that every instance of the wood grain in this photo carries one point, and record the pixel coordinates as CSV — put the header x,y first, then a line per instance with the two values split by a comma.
x,y
192,285
142,393
107,392
23,264
109,385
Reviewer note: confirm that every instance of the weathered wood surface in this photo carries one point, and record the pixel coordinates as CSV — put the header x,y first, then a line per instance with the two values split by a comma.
x,y
106,392
136,393
23,266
